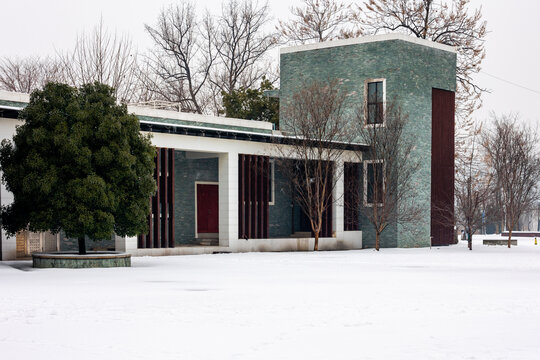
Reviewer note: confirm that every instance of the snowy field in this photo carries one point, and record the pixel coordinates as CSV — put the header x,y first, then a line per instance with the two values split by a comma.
x,y
440,303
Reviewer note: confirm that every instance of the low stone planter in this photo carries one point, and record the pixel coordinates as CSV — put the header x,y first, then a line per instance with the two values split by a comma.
x,y
513,242
72,260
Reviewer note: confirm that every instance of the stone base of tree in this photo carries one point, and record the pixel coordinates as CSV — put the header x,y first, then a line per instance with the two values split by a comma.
x,y
72,260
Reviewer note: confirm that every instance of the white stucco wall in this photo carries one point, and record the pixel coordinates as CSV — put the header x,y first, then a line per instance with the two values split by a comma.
x,y
7,130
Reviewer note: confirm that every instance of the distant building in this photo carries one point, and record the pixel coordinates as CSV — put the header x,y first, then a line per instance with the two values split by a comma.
x,y
218,188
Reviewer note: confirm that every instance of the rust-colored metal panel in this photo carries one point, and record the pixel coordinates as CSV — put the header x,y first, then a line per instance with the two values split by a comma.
x,y
442,167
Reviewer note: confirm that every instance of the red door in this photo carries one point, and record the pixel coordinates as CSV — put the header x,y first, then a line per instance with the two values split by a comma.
x,y
207,208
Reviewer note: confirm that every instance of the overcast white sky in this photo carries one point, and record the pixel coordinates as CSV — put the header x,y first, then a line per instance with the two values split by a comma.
x,y
40,27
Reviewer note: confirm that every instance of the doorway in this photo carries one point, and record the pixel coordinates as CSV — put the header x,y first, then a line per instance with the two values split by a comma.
x,y
207,207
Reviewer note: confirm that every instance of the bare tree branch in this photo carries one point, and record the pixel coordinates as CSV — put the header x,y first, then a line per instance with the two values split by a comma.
x,y
319,130
27,74
103,57
473,188
320,20
390,185
451,24
241,45
515,163
182,58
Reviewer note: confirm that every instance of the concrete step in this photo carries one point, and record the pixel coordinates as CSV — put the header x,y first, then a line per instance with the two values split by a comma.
x,y
301,234
209,242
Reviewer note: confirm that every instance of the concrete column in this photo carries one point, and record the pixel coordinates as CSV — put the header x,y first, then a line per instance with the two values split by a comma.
x,y
228,199
125,243
338,217
9,244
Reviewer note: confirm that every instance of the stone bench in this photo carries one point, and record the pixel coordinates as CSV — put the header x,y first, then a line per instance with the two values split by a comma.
x,y
523,233
499,242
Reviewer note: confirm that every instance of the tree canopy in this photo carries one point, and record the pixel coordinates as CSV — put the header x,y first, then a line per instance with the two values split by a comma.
x,y
252,104
79,164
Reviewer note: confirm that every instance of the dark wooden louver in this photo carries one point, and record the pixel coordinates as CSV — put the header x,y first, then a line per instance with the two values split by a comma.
x,y
161,219
352,193
253,196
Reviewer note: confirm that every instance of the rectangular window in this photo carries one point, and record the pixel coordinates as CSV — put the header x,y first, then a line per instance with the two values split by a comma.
x,y
375,102
373,182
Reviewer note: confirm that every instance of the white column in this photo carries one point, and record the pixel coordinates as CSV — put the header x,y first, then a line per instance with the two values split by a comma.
x,y
228,199
9,244
126,244
338,207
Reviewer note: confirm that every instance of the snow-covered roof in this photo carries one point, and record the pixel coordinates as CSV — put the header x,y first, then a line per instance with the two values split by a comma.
x,y
367,39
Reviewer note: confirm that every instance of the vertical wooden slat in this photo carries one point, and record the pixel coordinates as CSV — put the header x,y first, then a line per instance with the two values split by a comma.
x,y
352,196
150,235
260,198
246,196
330,224
266,199
248,200
140,241
156,203
171,197
241,196
163,241
254,197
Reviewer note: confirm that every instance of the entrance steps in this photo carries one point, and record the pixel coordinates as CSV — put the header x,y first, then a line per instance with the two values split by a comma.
x,y
209,242
301,234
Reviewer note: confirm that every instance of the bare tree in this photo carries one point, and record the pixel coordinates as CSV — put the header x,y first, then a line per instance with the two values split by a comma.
x,y
27,74
450,24
390,168
319,131
183,56
473,190
515,162
320,20
103,57
241,44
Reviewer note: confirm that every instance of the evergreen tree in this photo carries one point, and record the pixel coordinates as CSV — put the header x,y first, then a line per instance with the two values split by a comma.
x,y
79,164
252,104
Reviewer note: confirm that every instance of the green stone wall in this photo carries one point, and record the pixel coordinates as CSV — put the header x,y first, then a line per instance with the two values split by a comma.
x,y
411,71
187,172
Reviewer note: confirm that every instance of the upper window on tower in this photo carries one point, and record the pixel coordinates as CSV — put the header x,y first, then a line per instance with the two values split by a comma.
x,y
375,93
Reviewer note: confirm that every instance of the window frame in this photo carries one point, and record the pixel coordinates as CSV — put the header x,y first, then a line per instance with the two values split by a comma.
x,y
365,181
366,113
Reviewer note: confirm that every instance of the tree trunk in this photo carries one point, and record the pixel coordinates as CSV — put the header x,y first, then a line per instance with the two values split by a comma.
x,y
469,239
316,247
509,238
82,245
377,240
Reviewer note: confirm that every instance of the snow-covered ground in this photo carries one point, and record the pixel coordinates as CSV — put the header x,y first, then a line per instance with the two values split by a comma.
x,y
439,303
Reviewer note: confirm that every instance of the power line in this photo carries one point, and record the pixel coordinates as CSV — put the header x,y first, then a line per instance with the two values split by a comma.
x,y
511,83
